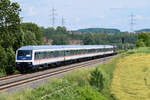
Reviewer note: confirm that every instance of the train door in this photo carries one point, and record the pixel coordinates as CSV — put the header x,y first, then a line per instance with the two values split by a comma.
x,y
64,55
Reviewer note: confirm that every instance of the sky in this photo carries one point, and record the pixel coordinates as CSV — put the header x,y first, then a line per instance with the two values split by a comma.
x,y
80,14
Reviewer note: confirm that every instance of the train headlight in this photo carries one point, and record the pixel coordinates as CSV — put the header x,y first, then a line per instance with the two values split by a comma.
x,y
29,63
18,62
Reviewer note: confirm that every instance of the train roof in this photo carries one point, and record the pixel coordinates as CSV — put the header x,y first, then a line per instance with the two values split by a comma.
x,y
64,47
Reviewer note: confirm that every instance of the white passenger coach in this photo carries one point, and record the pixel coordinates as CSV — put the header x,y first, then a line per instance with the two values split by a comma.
x,y
34,56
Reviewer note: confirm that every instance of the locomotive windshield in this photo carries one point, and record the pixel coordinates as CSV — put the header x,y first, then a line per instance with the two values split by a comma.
x,y
24,55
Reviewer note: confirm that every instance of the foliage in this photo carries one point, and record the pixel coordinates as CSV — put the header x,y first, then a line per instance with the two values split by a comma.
x,y
9,26
9,16
87,93
3,61
140,43
10,66
32,33
60,39
13,35
143,40
58,35
97,79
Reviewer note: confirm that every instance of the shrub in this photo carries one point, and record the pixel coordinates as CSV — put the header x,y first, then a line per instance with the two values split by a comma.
x,y
97,79
87,93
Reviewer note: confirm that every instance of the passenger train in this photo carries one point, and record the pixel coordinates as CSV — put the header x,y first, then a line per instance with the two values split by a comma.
x,y
30,57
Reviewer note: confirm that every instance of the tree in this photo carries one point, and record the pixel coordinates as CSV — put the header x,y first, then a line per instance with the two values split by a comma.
x,y
9,22
48,32
97,79
140,43
10,67
9,16
60,39
34,31
143,40
9,37
61,30
88,39
3,60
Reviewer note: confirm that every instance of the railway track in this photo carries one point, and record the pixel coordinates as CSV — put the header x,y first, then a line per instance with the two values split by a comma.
x,y
19,79
9,77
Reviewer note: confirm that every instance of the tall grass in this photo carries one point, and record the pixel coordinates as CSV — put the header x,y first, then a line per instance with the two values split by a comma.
x,y
73,86
131,76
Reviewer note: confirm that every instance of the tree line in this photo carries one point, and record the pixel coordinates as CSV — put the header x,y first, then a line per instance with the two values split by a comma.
x,y
60,36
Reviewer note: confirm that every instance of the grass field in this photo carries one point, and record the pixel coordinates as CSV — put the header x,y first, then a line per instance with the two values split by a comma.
x,y
131,79
73,86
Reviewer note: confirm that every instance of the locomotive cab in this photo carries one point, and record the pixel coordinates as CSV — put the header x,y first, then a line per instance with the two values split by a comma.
x,y
24,55
24,59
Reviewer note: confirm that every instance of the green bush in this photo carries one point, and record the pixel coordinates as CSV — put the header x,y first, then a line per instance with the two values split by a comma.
x,y
10,69
3,61
87,93
97,79
143,40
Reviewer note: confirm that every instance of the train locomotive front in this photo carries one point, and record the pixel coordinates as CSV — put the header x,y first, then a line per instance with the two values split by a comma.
x,y
24,59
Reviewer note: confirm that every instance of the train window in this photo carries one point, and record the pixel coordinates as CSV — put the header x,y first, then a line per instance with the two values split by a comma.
x,y
51,54
61,53
67,53
79,52
76,52
84,51
91,50
24,53
56,53
39,55
36,56
97,50
44,55
72,52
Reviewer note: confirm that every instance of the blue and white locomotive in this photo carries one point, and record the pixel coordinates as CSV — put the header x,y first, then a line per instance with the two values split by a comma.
x,y
30,57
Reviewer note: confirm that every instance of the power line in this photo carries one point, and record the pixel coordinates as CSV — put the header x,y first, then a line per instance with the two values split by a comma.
x,y
63,21
132,22
53,16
